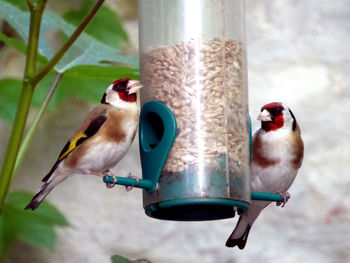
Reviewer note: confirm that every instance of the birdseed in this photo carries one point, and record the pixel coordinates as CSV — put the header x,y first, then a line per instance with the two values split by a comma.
x,y
204,84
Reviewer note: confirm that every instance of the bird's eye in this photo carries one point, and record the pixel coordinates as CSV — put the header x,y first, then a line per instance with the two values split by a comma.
x,y
119,87
276,111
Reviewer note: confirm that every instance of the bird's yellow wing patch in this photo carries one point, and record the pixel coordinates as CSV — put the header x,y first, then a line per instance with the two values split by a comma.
x,y
72,145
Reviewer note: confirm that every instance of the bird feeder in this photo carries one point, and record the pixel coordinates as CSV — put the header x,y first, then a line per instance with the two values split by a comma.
x,y
193,60
194,123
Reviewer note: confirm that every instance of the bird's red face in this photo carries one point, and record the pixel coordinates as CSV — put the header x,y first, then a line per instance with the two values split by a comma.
x,y
126,89
271,116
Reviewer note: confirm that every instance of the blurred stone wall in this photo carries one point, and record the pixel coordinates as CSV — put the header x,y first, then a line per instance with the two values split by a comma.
x,y
298,53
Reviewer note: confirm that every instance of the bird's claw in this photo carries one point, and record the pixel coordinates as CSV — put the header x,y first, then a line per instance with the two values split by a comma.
x,y
129,188
285,196
111,185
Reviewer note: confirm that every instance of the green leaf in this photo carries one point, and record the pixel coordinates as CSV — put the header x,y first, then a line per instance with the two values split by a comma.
x,y
86,50
19,20
9,95
119,259
44,235
20,46
46,212
21,4
34,227
108,73
14,43
6,237
10,90
106,25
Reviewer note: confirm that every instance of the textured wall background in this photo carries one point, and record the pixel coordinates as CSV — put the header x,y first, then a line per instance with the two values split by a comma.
x,y
298,53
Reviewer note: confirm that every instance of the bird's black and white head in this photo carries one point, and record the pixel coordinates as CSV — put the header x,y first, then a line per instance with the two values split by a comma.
x,y
275,116
121,93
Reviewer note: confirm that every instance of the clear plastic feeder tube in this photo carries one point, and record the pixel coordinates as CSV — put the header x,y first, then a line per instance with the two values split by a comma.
x,y
193,59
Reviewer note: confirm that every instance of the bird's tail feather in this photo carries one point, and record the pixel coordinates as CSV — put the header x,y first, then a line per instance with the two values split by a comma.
x,y
240,234
44,191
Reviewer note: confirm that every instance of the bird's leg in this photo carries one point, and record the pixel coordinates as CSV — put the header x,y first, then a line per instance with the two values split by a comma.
x,y
285,196
92,173
99,174
109,173
129,188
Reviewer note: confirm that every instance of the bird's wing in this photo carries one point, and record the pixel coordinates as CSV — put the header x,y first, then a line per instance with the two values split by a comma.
x,y
90,126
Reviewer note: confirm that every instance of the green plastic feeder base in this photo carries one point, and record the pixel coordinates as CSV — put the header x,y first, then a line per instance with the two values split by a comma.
x,y
196,209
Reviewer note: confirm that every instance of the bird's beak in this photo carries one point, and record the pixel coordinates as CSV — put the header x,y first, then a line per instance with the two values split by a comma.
x,y
265,116
133,86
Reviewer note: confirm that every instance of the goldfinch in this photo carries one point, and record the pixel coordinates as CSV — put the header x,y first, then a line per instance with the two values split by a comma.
x,y
100,142
278,151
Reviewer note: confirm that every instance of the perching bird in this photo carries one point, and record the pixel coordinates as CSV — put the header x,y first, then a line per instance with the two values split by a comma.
x,y
277,155
100,142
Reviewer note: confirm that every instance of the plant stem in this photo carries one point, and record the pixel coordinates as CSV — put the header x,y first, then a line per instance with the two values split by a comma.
x,y
36,8
24,101
54,60
28,137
